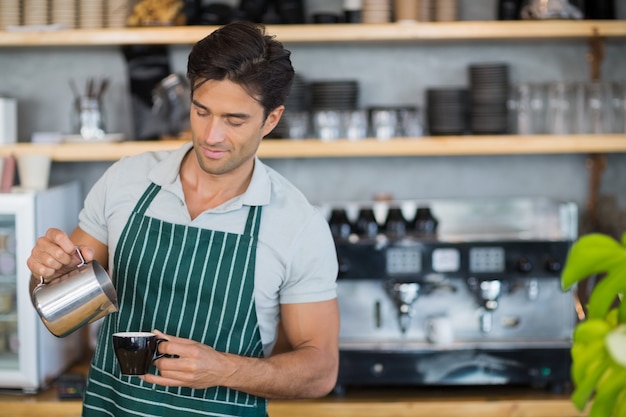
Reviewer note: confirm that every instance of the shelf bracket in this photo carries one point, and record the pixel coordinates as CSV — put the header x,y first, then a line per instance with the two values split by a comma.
x,y
595,56
596,163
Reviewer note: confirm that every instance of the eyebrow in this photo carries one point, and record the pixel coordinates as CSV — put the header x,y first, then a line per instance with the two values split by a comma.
x,y
235,115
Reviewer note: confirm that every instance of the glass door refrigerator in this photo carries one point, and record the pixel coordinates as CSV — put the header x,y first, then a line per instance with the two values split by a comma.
x,y
30,356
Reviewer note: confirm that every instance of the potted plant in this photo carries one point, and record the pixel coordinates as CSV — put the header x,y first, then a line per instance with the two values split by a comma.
x,y
599,341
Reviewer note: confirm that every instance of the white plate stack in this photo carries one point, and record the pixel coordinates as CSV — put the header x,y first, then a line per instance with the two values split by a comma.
x,y
10,12
63,12
36,12
116,13
91,14
376,11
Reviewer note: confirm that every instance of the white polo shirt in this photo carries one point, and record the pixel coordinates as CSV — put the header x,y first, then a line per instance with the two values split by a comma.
x,y
296,260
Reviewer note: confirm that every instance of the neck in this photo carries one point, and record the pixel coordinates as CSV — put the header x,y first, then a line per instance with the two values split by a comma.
x,y
204,191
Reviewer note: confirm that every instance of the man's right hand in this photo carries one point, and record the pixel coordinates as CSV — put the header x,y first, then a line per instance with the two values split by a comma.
x,y
54,255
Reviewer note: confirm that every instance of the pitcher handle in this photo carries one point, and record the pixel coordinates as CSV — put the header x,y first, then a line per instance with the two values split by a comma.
x,y
80,255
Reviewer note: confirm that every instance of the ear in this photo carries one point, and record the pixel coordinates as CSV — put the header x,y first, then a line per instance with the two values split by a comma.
x,y
272,119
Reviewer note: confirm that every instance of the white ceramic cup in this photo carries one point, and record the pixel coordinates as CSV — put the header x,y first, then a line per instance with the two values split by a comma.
x,y
439,330
34,171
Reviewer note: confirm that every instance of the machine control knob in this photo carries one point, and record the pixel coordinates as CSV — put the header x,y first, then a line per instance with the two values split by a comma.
x,y
553,265
524,265
344,265
377,369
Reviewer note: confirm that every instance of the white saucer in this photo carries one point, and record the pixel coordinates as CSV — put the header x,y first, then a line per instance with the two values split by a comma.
x,y
109,137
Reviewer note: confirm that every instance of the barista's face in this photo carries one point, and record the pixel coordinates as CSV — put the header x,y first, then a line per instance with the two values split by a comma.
x,y
227,127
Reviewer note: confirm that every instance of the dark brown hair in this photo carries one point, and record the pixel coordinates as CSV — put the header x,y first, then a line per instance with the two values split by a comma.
x,y
241,52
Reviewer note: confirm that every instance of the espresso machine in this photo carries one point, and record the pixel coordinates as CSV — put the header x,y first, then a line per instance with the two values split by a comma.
x,y
454,292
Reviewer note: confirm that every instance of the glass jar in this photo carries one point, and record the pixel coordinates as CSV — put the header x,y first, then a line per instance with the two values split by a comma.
x,y
366,224
340,226
7,259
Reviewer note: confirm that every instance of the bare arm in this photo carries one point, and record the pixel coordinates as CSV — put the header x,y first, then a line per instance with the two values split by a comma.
x,y
308,370
55,254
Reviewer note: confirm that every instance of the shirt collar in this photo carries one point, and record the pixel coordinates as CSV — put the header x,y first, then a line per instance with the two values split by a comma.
x,y
166,173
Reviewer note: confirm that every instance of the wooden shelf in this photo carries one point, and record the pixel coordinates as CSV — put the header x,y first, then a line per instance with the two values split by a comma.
x,y
313,148
457,31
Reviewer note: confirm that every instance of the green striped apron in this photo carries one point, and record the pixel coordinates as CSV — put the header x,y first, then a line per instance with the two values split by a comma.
x,y
188,282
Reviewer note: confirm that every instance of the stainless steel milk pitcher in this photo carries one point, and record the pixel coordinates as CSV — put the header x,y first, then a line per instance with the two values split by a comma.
x,y
79,297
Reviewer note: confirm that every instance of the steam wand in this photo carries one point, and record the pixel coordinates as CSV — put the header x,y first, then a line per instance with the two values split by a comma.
x,y
487,292
404,294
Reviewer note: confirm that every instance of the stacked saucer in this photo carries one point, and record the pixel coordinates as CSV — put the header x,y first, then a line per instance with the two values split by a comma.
x,y
63,12
296,109
299,96
489,91
334,95
116,13
10,13
91,14
447,111
376,11
36,12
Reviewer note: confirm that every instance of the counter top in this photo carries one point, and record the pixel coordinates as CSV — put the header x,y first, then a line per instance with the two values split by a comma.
x,y
492,401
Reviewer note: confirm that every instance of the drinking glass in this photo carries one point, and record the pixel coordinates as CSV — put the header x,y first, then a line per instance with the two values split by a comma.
x,y
560,109
354,124
88,118
327,124
410,123
297,124
599,109
527,108
384,123
618,101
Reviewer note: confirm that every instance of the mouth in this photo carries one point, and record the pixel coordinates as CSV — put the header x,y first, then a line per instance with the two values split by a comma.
x,y
213,153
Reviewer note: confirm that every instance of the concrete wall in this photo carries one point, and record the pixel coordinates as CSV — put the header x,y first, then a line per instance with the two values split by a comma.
x,y
388,74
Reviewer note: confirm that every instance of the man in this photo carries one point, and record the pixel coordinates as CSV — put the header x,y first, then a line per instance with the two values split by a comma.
x,y
213,250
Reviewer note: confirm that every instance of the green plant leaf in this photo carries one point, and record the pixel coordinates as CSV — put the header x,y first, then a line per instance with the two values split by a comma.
x,y
609,386
584,390
605,292
592,254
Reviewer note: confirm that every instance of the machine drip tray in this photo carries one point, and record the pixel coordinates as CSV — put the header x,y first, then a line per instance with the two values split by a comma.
x,y
541,368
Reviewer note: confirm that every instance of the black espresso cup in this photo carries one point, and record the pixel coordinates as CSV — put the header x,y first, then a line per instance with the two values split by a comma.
x,y
135,351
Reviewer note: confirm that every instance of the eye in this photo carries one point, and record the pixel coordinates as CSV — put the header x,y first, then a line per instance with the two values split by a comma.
x,y
235,122
202,113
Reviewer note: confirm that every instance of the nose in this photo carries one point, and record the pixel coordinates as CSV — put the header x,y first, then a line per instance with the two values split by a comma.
x,y
214,131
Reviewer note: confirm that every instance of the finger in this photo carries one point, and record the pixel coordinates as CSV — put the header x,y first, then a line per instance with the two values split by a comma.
x,y
159,380
164,346
172,378
161,335
87,252
53,254
47,258
171,363
171,338
61,239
